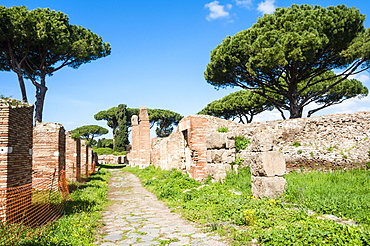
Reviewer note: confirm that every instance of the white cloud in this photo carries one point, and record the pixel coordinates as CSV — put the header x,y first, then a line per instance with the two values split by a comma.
x,y
266,7
217,10
361,77
244,3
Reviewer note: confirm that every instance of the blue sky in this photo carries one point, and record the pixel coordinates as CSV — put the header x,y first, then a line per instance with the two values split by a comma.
x,y
159,52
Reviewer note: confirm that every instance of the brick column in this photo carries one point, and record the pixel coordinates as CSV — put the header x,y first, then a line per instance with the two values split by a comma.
x,y
16,131
73,158
145,144
90,154
197,140
49,143
84,159
135,141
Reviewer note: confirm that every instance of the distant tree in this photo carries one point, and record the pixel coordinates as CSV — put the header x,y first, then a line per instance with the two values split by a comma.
x,y
110,116
164,119
288,53
39,42
88,133
105,143
240,105
121,134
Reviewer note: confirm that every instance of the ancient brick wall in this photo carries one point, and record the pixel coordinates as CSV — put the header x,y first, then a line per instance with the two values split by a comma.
x,y
324,142
144,147
140,143
84,159
111,159
188,148
16,132
15,144
91,166
49,143
73,158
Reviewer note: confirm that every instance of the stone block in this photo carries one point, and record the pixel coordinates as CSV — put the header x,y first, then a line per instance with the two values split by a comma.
x,y
216,140
230,141
217,171
271,187
268,164
263,141
228,156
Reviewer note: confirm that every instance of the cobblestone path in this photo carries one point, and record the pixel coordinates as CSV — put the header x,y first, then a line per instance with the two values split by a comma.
x,y
136,217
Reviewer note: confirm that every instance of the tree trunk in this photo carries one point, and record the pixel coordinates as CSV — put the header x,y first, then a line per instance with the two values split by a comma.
x,y
295,111
40,98
22,86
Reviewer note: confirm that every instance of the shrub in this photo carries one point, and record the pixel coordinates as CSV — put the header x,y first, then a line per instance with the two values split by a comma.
x,y
223,129
241,143
108,151
296,144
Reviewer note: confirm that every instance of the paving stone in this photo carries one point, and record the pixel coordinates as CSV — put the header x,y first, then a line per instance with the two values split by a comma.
x,y
199,235
113,237
107,244
137,210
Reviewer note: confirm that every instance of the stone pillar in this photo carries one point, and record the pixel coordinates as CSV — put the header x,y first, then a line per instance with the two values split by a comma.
x,y
91,168
135,141
73,158
267,167
49,142
145,144
16,130
84,161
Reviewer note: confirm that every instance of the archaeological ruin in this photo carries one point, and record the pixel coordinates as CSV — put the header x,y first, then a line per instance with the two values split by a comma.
x,y
199,148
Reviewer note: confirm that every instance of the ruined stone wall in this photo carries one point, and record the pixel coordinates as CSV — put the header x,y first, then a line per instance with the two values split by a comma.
x,y
196,147
48,150
322,142
112,159
325,142
73,158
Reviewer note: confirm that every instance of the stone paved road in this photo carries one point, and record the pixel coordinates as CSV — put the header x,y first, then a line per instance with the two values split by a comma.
x,y
136,217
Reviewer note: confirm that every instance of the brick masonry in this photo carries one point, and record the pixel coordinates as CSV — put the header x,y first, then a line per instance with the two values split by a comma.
x,y
73,158
49,145
140,143
16,132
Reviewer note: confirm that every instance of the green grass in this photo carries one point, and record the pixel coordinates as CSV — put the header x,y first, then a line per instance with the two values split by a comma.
x,y
230,209
83,211
342,193
108,151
